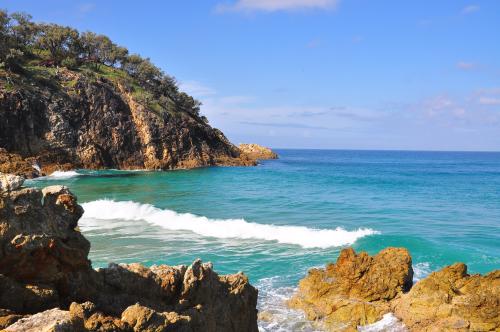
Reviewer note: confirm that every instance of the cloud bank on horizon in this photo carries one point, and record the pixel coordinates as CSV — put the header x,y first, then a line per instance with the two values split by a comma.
x,y
319,73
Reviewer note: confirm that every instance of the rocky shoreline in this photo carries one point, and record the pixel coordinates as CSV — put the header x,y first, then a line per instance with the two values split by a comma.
x,y
47,283
360,289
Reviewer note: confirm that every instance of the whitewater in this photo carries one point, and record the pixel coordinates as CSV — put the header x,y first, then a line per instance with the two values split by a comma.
x,y
305,237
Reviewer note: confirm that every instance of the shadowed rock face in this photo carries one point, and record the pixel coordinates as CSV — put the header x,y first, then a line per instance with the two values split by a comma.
x,y
98,124
359,289
44,265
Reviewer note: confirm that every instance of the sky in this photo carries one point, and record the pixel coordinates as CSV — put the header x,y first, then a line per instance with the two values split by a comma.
x,y
336,74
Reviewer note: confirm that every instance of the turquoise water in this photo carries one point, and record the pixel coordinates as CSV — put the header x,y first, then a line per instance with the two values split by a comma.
x,y
443,206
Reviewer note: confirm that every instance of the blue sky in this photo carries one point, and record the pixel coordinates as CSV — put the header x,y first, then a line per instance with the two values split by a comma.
x,y
344,74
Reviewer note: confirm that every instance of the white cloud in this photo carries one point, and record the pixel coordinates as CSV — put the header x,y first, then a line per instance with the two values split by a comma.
x,y
489,101
196,89
85,8
470,9
466,65
276,5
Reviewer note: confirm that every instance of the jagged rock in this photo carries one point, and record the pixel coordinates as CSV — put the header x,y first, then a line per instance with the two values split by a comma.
x,y
255,151
9,182
44,265
53,320
141,318
99,123
452,300
356,290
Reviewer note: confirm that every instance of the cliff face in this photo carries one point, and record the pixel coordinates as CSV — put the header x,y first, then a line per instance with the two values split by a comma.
x,y
77,121
44,266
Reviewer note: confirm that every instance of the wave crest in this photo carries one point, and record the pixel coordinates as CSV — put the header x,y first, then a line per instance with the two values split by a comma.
x,y
222,228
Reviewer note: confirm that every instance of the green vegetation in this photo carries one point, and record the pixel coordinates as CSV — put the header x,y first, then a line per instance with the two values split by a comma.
x,y
37,50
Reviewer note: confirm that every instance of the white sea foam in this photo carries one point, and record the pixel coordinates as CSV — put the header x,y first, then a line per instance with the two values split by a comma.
x,y
221,228
421,270
63,174
58,175
388,323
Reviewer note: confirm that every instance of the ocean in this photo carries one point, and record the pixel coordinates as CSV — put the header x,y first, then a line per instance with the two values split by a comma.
x,y
283,217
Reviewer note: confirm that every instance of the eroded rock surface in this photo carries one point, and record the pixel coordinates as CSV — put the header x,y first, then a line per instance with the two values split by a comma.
x,y
9,182
44,265
255,151
359,290
452,300
81,122
356,290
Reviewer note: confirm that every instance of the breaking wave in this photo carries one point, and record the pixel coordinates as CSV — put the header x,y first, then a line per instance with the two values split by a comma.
x,y
222,228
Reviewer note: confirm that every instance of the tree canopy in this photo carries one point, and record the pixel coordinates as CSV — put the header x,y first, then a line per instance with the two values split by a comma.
x,y
21,38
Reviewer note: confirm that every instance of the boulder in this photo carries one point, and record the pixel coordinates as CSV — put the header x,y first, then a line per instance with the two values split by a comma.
x,y
452,300
356,290
53,320
9,182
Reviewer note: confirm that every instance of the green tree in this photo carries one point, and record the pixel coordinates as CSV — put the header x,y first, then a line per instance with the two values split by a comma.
x,y
61,42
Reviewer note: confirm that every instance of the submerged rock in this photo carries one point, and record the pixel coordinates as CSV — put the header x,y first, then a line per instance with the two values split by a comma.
x,y
44,265
356,290
255,151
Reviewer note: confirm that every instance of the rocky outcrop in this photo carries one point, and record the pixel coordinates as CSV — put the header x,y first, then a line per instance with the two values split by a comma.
x,y
360,290
356,290
44,265
452,300
80,121
255,151
9,182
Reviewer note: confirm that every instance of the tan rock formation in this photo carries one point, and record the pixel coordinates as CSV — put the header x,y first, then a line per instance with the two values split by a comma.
x,y
255,151
44,265
356,290
452,300
359,290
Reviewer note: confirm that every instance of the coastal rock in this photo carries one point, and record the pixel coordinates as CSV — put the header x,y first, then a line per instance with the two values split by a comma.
x,y
100,123
44,265
356,290
452,300
255,151
9,182
53,320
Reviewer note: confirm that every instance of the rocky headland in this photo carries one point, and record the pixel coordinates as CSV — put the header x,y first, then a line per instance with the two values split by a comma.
x,y
360,289
98,123
47,282
71,99
259,152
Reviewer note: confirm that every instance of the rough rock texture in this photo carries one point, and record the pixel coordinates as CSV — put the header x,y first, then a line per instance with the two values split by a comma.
x,y
53,320
44,265
359,290
255,151
356,290
452,300
79,122
9,182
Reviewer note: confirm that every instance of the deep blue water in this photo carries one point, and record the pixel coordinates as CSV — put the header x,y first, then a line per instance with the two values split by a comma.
x,y
443,206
